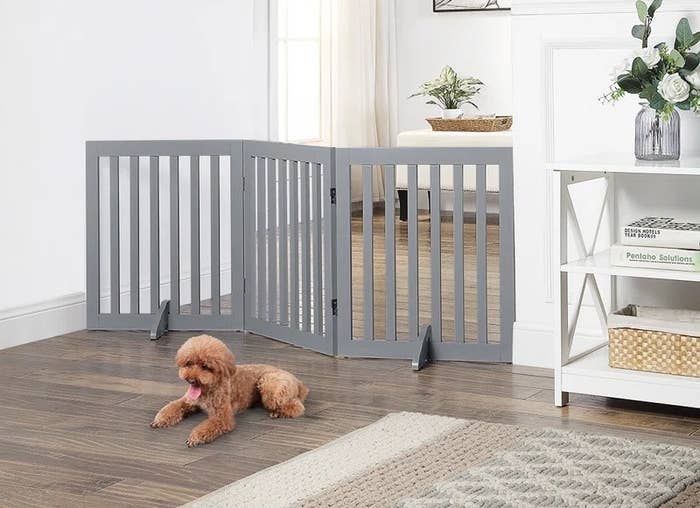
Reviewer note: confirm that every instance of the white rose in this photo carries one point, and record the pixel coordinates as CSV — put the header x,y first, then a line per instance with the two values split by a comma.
x,y
649,56
674,88
694,78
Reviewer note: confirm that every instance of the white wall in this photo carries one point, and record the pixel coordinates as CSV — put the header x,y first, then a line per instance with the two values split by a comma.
x,y
99,69
563,52
473,43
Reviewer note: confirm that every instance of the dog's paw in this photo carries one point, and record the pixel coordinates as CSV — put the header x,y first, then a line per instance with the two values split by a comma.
x,y
193,441
274,415
160,422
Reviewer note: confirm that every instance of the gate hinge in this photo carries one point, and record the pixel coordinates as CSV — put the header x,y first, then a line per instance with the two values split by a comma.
x,y
332,195
334,306
244,284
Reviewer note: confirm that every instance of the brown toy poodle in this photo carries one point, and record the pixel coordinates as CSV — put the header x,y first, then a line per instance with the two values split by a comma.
x,y
221,388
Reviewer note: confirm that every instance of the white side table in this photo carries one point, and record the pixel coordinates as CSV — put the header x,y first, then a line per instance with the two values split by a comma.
x,y
427,137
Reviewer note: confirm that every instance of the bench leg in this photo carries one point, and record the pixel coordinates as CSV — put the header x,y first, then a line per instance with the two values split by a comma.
x,y
403,205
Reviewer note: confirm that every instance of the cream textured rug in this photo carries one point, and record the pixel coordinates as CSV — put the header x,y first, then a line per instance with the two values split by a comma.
x,y
415,460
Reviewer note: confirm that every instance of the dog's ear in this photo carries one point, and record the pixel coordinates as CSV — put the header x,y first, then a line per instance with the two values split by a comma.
x,y
226,363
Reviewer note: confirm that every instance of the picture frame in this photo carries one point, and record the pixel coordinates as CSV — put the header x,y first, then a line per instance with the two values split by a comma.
x,y
471,5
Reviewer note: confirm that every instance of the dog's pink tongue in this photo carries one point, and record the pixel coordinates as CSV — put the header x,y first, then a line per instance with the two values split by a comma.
x,y
194,392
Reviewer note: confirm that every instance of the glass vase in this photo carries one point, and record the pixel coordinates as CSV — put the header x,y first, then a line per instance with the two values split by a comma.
x,y
657,138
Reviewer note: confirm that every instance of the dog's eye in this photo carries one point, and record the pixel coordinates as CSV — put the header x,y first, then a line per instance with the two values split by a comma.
x,y
188,364
206,367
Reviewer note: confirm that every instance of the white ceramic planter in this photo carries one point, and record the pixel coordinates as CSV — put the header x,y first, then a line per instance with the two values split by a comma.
x,y
452,114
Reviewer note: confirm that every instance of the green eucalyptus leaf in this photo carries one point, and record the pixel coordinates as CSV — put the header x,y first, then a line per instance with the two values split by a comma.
x,y
684,35
639,68
642,11
685,105
677,58
648,92
654,7
629,84
638,31
657,102
692,60
696,39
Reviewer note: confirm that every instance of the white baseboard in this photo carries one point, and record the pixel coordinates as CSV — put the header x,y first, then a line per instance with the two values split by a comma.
x,y
21,325
66,314
533,343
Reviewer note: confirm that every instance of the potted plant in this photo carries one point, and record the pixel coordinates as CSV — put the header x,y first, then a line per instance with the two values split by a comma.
x,y
666,79
450,92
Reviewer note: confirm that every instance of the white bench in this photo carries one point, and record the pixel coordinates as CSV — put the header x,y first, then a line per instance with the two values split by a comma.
x,y
427,137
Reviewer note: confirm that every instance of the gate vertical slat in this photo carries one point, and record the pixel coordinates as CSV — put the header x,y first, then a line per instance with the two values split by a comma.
x,y
305,250
194,234
330,251
368,252
174,234
284,243
435,253
344,253
215,236
272,240
413,297
261,231
134,283
506,257
294,248
92,201
154,201
390,250
238,210
114,234
481,264
458,222
250,233
317,251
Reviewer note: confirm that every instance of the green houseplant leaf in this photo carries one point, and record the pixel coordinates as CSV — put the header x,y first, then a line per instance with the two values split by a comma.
x,y
639,68
654,7
638,32
692,60
629,84
684,35
677,59
642,11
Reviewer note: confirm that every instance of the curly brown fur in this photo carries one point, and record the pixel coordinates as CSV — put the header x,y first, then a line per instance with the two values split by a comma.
x,y
221,388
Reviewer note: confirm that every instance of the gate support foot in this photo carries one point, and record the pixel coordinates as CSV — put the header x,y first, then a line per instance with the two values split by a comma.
x,y
420,356
160,326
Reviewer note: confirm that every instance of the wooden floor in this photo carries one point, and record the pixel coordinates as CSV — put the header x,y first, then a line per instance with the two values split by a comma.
x,y
76,409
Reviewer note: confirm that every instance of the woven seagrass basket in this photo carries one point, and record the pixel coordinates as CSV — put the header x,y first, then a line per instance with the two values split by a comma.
x,y
499,123
669,351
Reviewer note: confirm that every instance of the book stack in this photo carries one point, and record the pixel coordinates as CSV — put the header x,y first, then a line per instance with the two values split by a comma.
x,y
659,242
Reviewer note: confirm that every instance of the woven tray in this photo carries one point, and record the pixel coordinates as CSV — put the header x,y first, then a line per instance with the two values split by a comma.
x,y
499,123
652,350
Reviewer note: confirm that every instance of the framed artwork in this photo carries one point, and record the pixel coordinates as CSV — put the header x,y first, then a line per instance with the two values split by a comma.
x,y
471,5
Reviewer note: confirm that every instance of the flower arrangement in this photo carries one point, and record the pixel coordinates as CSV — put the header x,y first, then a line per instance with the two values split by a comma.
x,y
667,78
450,91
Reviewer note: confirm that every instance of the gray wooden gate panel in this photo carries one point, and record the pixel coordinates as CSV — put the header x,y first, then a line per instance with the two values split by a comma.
x,y
405,347
287,295
291,247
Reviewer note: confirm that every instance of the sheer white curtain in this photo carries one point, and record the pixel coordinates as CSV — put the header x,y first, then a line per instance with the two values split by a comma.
x,y
363,99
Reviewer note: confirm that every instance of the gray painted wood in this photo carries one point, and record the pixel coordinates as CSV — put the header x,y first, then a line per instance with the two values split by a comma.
x,y
261,287
506,256
294,244
92,211
345,332
215,217
134,247
390,249
174,235
481,280
194,235
272,283
305,249
284,242
317,246
413,297
435,255
330,253
238,202
114,281
154,233
458,222
368,251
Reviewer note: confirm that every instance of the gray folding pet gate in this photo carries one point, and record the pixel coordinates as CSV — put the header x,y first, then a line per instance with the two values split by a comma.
x,y
271,250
